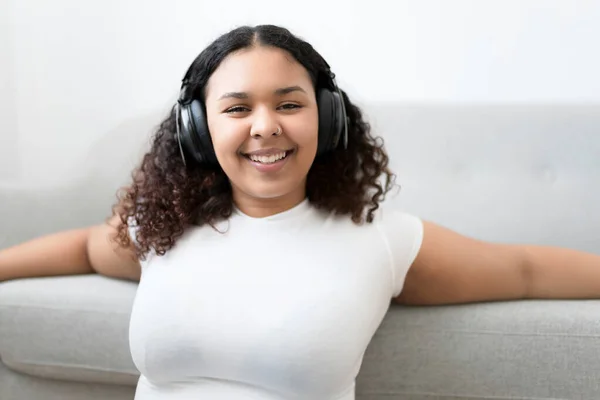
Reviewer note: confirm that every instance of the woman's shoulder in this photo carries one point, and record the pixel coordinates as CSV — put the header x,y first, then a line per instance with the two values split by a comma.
x,y
396,222
390,220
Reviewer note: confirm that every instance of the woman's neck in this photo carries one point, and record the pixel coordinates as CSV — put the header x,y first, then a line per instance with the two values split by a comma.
x,y
257,207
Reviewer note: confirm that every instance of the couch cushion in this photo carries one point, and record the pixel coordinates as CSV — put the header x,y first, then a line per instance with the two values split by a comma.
x,y
537,349
73,328
17,386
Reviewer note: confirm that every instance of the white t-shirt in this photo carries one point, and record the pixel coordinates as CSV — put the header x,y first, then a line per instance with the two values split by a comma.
x,y
274,308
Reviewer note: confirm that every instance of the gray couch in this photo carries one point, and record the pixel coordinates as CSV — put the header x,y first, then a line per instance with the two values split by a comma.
x,y
526,173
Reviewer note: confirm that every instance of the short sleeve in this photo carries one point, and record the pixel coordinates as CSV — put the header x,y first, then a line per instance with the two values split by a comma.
x,y
403,233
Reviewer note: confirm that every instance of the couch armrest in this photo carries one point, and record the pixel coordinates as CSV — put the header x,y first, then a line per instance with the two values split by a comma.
x,y
72,328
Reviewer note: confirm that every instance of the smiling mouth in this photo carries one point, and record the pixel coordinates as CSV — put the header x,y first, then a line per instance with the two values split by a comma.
x,y
269,159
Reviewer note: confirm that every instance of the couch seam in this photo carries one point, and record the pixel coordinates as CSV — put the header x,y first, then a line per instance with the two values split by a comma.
x,y
29,363
499,333
21,306
458,396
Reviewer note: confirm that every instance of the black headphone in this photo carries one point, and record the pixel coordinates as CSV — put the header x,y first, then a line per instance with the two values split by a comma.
x,y
196,145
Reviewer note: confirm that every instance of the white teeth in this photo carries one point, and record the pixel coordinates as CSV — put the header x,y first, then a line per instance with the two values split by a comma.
x,y
267,159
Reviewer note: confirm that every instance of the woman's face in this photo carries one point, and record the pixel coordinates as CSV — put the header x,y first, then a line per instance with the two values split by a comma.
x,y
263,119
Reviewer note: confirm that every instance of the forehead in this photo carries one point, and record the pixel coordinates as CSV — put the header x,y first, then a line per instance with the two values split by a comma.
x,y
257,69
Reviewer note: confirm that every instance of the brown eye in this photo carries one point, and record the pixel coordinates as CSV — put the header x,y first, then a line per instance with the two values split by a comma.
x,y
236,109
290,106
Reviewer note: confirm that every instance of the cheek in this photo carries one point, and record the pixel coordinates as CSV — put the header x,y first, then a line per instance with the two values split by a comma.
x,y
227,137
305,132
309,138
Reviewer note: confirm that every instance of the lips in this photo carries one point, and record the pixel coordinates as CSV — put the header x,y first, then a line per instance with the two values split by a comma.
x,y
269,159
268,156
267,152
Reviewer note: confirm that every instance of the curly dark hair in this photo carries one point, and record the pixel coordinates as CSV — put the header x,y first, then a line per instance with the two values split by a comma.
x,y
165,196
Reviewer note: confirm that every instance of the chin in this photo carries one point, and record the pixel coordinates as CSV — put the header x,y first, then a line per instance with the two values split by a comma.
x,y
270,190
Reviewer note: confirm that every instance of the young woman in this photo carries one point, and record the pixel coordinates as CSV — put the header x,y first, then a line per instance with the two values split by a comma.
x,y
266,262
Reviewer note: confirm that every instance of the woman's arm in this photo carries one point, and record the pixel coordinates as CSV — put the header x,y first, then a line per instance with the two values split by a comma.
x,y
73,252
451,268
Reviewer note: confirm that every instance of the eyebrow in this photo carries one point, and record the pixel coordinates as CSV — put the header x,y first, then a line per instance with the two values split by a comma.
x,y
278,92
289,89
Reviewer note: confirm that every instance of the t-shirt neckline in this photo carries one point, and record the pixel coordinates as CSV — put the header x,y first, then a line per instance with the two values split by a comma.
x,y
297,210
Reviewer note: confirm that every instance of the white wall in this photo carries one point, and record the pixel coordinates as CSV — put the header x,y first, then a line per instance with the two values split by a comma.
x,y
9,142
73,73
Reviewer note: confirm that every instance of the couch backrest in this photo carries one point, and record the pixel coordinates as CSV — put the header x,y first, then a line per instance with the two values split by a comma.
x,y
525,173
512,173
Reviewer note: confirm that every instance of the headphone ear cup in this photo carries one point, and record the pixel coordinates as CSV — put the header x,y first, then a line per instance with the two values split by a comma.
x,y
331,122
195,137
204,145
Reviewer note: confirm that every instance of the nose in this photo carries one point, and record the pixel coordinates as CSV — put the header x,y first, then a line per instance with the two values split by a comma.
x,y
264,125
